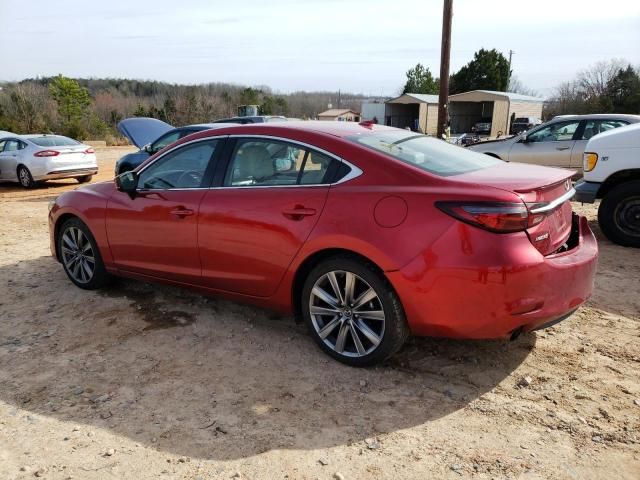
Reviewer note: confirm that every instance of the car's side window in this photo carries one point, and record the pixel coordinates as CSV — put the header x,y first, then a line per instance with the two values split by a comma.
x,y
12,146
315,169
182,168
273,162
555,132
168,139
2,144
594,127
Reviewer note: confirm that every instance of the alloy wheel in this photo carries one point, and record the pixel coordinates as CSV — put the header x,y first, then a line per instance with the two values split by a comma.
x,y
347,313
25,177
78,255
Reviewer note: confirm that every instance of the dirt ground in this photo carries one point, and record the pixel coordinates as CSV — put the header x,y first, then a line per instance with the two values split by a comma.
x,y
142,381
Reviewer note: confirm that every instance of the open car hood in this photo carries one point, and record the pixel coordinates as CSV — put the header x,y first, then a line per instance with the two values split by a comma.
x,y
142,130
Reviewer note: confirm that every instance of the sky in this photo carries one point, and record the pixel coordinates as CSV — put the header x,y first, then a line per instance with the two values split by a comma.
x,y
359,46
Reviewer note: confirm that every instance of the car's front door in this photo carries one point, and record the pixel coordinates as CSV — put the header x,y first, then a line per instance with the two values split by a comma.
x,y
550,145
155,231
256,220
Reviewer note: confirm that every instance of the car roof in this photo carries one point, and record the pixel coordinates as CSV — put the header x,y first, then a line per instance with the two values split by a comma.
x,y
336,129
600,116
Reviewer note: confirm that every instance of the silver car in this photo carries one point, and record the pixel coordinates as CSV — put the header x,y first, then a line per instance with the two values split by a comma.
x,y
557,143
29,159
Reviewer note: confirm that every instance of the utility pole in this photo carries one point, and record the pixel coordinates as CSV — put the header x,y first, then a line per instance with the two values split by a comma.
x,y
511,52
445,54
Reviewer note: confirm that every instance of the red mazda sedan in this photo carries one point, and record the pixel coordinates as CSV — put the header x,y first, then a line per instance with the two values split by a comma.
x,y
368,233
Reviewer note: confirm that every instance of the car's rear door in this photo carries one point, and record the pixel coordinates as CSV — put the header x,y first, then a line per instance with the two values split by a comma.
x,y
265,204
155,231
550,145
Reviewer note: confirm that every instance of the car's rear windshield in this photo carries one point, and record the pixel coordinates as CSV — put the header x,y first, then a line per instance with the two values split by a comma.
x,y
521,120
430,154
54,141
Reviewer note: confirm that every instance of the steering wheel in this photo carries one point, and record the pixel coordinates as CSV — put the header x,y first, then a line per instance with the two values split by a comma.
x,y
192,178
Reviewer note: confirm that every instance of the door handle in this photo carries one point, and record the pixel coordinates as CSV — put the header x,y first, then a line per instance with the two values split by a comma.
x,y
298,212
182,212
562,148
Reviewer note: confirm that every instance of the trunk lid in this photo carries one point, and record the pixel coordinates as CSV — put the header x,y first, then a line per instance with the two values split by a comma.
x,y
142,130
545,190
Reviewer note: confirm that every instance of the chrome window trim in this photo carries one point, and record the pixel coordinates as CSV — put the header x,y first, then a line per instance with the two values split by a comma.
x,y
555,203
354,173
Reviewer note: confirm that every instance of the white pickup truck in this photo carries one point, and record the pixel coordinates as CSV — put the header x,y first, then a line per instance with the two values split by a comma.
x,y
612,173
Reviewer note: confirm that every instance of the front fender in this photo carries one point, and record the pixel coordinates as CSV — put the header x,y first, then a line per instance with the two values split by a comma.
x,y
89,205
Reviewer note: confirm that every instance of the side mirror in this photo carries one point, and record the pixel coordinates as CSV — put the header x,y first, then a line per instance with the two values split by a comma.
x,y
147,148
127,182
524,139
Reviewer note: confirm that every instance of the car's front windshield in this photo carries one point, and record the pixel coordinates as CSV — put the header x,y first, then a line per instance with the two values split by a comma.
x,y
427,153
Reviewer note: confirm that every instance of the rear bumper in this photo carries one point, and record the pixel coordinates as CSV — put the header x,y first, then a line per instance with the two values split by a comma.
x,y
586,192
68,173
477,285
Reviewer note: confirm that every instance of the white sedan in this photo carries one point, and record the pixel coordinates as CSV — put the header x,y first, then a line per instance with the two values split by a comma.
x,y
29,159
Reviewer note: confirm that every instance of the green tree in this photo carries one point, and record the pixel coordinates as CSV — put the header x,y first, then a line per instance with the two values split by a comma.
x,y
140,111
489,70
73,100
420,80
623,91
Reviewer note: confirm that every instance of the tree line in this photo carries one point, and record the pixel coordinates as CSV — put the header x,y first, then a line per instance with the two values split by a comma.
x,y
91,108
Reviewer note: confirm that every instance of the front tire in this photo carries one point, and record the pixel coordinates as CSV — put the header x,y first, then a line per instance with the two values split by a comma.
x,y
84,178
352,312
25,178
619,214
80,256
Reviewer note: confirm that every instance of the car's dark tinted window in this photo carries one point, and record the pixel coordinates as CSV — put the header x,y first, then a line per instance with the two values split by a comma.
x,y
257,162
429,154
165,140
183,168
54,141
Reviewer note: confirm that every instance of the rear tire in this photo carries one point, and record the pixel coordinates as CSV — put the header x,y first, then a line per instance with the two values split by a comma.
x,y
84,179
25,178
80,257
361,322
619,214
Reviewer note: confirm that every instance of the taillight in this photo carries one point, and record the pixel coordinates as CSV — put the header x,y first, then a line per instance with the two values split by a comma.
x,y
590,160
498,217
46,153
90,150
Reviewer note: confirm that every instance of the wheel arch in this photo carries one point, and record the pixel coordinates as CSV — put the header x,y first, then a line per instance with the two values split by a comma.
x,y
314,259
616,179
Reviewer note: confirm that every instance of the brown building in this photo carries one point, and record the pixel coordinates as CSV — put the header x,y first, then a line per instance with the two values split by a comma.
x,y
340,115
419,112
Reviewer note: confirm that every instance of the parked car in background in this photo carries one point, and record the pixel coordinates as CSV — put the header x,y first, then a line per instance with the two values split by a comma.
x,y
30,159
557,143
522,124
367,232
482,127
253,119
612,173
151,135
